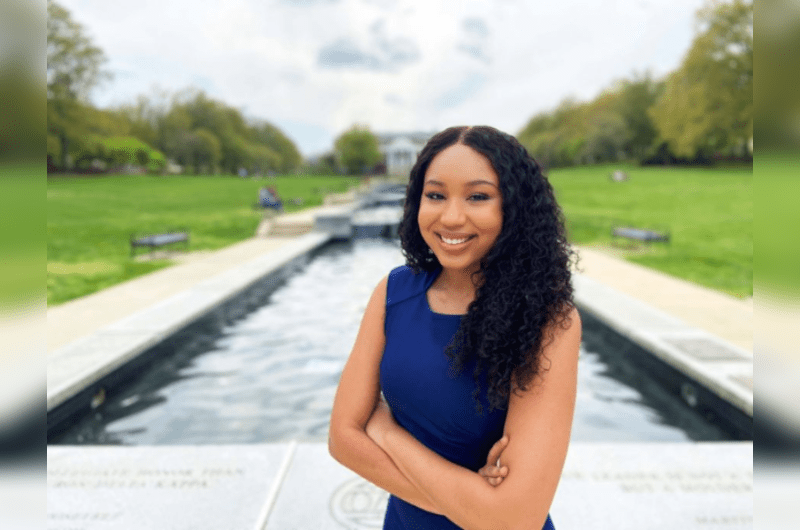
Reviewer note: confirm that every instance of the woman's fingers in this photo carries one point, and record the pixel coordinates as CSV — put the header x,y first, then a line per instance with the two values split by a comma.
x,y
490,475
493,472
493,458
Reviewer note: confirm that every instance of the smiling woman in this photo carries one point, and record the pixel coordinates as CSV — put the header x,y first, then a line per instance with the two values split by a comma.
x,y
473,344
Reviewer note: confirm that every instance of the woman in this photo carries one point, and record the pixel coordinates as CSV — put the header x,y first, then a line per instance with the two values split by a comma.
x,y
475,340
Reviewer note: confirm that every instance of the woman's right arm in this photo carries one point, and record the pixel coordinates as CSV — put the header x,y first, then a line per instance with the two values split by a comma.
x,y
356,398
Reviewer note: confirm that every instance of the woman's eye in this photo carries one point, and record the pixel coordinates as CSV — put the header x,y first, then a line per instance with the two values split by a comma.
x,y
432,195
478,197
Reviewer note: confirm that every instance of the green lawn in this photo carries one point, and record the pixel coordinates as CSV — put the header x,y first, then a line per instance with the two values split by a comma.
x,y
90,220
777,228
22,235
708,212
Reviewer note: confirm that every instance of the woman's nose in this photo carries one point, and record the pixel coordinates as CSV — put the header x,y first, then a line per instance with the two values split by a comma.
x,y
453,213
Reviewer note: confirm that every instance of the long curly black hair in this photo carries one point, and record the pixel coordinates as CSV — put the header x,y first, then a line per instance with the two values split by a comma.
x,y
524,287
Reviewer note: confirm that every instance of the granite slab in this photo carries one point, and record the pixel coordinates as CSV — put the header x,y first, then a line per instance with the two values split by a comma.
x,y
164,487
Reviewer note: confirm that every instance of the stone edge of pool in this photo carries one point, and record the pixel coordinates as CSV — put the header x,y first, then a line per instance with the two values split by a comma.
x,y
721,368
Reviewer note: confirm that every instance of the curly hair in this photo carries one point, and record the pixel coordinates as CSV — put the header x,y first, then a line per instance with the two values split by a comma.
x,y
525,286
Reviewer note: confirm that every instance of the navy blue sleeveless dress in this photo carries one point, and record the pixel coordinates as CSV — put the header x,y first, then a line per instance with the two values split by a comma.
x,y
427,399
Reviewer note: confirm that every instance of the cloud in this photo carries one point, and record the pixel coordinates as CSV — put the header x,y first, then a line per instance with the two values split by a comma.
x,y
476,26
382,52
397,51
308,3
393,100
460,93
474,38
345,53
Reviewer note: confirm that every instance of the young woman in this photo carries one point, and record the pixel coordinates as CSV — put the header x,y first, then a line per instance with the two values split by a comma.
x,y
474,345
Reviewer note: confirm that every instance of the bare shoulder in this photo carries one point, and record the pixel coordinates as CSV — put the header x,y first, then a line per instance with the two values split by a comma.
x,y
376,307
375,312
565,334
569,329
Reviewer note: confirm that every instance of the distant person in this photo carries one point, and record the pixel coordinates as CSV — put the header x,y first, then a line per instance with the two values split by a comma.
x,y
268,198
473,344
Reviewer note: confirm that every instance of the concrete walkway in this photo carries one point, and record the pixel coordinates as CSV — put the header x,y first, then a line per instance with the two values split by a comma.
x,y
719,314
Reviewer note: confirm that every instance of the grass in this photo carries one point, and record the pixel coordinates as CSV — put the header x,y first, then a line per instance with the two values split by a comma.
x,y
22,235
708,212
777,228
90,220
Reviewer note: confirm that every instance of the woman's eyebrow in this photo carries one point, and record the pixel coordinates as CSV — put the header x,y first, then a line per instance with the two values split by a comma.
x,y
479,182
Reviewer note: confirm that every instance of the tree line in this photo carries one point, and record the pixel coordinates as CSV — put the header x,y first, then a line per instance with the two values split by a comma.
x,y
701,112
196,132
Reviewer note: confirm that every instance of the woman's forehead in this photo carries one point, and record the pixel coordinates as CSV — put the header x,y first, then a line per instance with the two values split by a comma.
x,y
459,164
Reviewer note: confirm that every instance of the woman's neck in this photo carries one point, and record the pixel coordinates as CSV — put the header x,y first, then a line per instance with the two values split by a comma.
x,y
460,282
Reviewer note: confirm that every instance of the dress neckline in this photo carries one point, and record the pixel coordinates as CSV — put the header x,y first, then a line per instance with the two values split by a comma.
x,y
428,302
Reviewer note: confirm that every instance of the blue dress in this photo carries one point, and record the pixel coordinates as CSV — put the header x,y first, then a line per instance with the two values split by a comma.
x,y
427,399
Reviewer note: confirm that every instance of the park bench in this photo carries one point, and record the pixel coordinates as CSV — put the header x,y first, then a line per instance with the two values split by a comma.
x,y
640,234
154,241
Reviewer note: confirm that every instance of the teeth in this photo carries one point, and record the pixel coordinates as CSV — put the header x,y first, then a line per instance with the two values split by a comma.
x,y
453,241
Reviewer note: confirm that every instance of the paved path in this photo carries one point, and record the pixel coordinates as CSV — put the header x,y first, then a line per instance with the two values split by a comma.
x,y
717,313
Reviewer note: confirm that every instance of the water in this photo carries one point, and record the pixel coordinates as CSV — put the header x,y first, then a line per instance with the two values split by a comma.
x,y
271,376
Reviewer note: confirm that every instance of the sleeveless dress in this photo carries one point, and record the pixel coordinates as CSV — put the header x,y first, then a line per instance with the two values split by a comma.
x,y
426,397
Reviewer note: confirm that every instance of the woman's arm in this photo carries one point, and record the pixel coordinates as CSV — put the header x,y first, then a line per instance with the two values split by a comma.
x,y
538,427
356,397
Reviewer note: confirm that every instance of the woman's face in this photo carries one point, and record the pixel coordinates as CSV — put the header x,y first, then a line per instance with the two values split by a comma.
x,y
460,211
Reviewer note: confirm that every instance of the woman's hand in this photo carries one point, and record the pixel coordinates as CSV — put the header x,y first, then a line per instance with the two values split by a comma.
x,y
382,422
493,472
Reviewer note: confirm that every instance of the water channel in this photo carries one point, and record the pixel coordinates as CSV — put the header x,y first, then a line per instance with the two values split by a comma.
x,y
271,375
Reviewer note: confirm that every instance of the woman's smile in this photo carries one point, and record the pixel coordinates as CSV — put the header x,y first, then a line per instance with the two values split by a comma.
x,y
454,240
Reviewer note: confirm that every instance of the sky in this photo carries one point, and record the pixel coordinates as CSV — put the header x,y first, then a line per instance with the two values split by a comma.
x,y
314,68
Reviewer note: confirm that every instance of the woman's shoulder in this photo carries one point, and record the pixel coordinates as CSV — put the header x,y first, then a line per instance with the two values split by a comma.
x,y
403,283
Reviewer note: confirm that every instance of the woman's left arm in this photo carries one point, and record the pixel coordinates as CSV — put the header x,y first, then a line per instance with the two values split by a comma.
x,y
538,426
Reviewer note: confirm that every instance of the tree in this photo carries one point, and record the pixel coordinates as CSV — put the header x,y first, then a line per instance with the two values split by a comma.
x,y
185,133
74,67
707,104
357,150
74,64
205,150
635,97
275,140
606,138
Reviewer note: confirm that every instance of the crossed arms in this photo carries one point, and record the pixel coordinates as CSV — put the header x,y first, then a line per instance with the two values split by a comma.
x,y
365,438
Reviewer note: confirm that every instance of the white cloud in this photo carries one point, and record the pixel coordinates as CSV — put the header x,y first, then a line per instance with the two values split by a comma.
x,y
415,65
